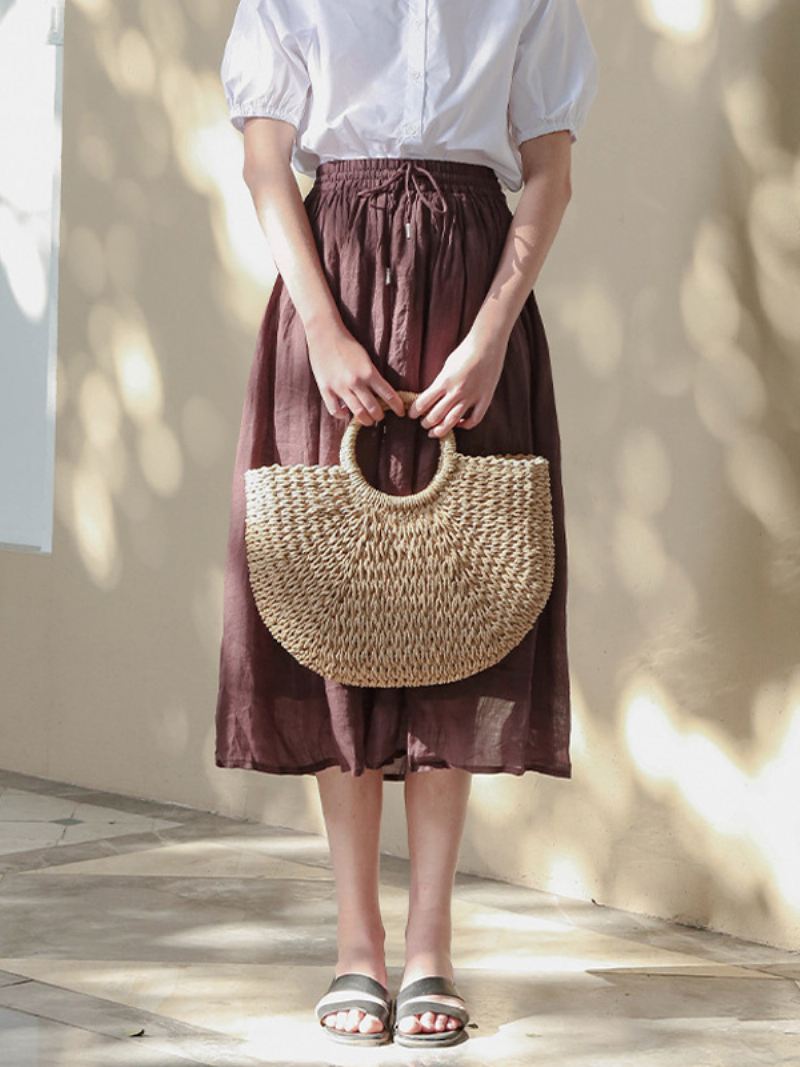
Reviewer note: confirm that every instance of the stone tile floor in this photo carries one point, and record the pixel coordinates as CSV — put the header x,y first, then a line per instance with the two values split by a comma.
x,y
141,934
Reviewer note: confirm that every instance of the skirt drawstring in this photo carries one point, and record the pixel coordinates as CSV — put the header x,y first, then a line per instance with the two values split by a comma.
x,y
408,171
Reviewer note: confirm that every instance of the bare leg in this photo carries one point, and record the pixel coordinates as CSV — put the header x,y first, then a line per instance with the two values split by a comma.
x,y
352,807
436,806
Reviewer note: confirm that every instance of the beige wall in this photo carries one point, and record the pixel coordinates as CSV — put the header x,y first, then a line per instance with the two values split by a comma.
x,y
671,303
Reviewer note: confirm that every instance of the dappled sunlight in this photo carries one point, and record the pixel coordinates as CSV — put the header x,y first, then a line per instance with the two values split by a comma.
x,y
752,10
751,108
775,241
85,258
99,410
728,792
643,471
206,598
590,313
684,504
709,301
639,555
731,393
681,20
729,390
568,873
137,370
221,998
97,11
92,521
763,480
144,435
160,458
240,242
685,45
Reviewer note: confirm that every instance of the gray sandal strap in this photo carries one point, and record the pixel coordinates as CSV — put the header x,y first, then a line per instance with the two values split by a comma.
x,y
355,990
413,1000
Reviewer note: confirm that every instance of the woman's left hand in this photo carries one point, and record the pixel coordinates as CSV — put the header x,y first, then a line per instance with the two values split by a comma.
x,y
463,389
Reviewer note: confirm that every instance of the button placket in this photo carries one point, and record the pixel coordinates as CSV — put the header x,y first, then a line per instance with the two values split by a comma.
x,y
415,82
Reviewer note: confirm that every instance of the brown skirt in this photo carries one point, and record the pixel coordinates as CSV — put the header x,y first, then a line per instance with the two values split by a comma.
x,y
409,262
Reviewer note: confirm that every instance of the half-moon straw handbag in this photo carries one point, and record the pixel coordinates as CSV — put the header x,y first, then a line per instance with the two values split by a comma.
x,y
376,589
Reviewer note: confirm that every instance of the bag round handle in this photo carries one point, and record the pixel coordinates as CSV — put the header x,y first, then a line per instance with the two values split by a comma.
x,y
347,458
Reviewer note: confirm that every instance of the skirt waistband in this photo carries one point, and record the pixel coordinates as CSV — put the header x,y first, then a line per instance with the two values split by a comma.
x,y
367,170
392,183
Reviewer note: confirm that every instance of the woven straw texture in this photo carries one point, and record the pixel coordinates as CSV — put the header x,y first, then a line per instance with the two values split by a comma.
x,y
373,589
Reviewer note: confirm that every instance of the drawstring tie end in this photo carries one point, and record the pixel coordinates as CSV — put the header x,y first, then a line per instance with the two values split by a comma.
x,y
408,174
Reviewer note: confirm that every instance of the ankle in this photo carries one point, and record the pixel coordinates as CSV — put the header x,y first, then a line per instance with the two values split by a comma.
x,y
361,949
373,966
428,952
356,920
423,962
429,928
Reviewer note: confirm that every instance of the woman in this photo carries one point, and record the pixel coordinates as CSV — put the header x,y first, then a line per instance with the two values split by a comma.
x,y
403,268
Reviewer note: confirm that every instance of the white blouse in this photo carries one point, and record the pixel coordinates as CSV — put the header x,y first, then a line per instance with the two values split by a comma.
x,y
465,80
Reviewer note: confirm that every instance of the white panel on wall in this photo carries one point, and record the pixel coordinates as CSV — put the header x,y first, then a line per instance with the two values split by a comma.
x,y
31,36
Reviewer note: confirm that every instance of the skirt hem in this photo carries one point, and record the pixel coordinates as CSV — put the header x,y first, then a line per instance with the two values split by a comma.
x,y
250,764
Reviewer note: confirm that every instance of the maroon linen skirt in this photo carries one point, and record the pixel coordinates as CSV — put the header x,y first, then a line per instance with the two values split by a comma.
x,y
409,249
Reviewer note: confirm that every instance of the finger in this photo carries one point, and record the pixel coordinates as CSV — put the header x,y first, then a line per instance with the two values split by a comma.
x,y
390,395
332,402
369,402
423,400
438,411
475,415
345,406
451,419
356,407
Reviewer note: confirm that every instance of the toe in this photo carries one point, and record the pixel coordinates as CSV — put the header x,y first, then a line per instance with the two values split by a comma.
x,y
341,1020
370,1024
440,1022
409,1025
427,1019
453,1024
354,1017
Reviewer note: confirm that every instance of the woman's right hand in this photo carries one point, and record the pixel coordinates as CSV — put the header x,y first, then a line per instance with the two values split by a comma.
x,y
348,380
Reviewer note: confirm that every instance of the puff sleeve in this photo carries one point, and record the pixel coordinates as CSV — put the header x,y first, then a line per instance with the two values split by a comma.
x,y
555,73
263,71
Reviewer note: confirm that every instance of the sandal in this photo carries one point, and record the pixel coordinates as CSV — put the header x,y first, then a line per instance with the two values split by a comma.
x,y
412,1000
354,990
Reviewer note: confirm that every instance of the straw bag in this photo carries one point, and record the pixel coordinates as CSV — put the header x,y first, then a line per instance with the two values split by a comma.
x,y
375,589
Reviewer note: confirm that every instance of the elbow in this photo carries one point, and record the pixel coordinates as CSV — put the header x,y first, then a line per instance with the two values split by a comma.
x,y
253,172
258,177
249,175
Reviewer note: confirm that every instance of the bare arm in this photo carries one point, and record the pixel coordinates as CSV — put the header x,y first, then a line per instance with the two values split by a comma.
x,y
342,367
471,372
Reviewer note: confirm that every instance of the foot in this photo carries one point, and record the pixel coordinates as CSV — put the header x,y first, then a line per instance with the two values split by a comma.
x,y
372,963
418,965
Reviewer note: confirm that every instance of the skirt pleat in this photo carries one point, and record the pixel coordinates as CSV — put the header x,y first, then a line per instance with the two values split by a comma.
x,y
274,714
